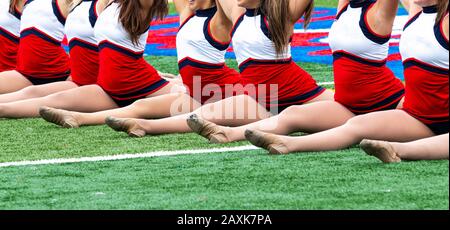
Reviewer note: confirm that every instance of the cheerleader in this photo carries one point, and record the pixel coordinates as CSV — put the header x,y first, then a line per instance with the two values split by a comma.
x,y
363,82
83,52
40,58
424,49
202,41
261,34
121,30
10,14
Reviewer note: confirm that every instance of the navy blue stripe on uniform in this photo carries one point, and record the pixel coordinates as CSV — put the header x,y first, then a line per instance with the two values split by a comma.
x,y
337,55
58,13
92,14
250,62
440,36
210,39
302,97
252,12
382,105
341,12
186,21
365,28
9,36
106,44
412,20
207,12
430,9
27,2
16,13
189,62
415,63
34,31
143,91
77,42
236,25
265,28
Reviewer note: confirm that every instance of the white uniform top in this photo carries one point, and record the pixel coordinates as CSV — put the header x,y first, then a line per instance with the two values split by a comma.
x,y
424,41
109,31
80,23
43,17
194,39
251,39
356,38
9,23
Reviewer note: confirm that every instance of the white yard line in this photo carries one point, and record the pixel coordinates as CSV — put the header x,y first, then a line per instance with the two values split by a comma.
x,y
126,156
326,83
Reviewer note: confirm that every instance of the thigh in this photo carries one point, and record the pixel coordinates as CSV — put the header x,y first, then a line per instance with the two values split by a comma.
x,y
167,105
234,111
90,98
11,81
327,95
315,117
393,125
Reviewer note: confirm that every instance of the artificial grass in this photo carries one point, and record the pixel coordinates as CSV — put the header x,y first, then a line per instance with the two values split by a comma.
x,y
243,180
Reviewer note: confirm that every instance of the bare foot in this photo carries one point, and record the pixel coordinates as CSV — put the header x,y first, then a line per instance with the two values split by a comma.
x,y
267,141
129,126
59,117
214,133
380,149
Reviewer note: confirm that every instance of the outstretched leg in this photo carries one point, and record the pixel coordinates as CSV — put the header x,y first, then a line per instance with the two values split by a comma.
x,y
89,98
37,91
149,108
433,148
161,104
309,118
394,125
235,111
11,81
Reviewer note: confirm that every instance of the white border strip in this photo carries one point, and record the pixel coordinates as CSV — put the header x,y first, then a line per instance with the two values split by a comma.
x,y
126,156
326,83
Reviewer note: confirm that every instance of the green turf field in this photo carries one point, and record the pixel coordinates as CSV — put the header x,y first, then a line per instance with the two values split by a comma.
x,y
248,179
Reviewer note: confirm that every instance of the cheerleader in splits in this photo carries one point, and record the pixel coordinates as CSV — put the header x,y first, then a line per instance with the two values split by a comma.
x,y
363,82
424,49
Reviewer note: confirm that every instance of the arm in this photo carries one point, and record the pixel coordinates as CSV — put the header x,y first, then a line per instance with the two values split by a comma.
x,y
182,9
445,26
221,25
382,15
231,9
297,9
180,5
341,4
412,8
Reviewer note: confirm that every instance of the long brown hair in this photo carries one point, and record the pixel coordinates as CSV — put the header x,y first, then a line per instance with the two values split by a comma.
x,y
136,21
13,5
442,10
277,13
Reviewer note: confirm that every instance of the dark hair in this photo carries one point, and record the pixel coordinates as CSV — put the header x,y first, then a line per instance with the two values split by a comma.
x,y
277,13
442,10
136,21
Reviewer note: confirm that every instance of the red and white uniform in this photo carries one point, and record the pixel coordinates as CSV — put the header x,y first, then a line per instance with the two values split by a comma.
x,y
83,45
260,65
41,58
200,55
123,74
424,50
363,82
9,36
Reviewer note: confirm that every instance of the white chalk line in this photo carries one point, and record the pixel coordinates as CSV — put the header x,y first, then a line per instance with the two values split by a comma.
x,y
126,156
326,83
